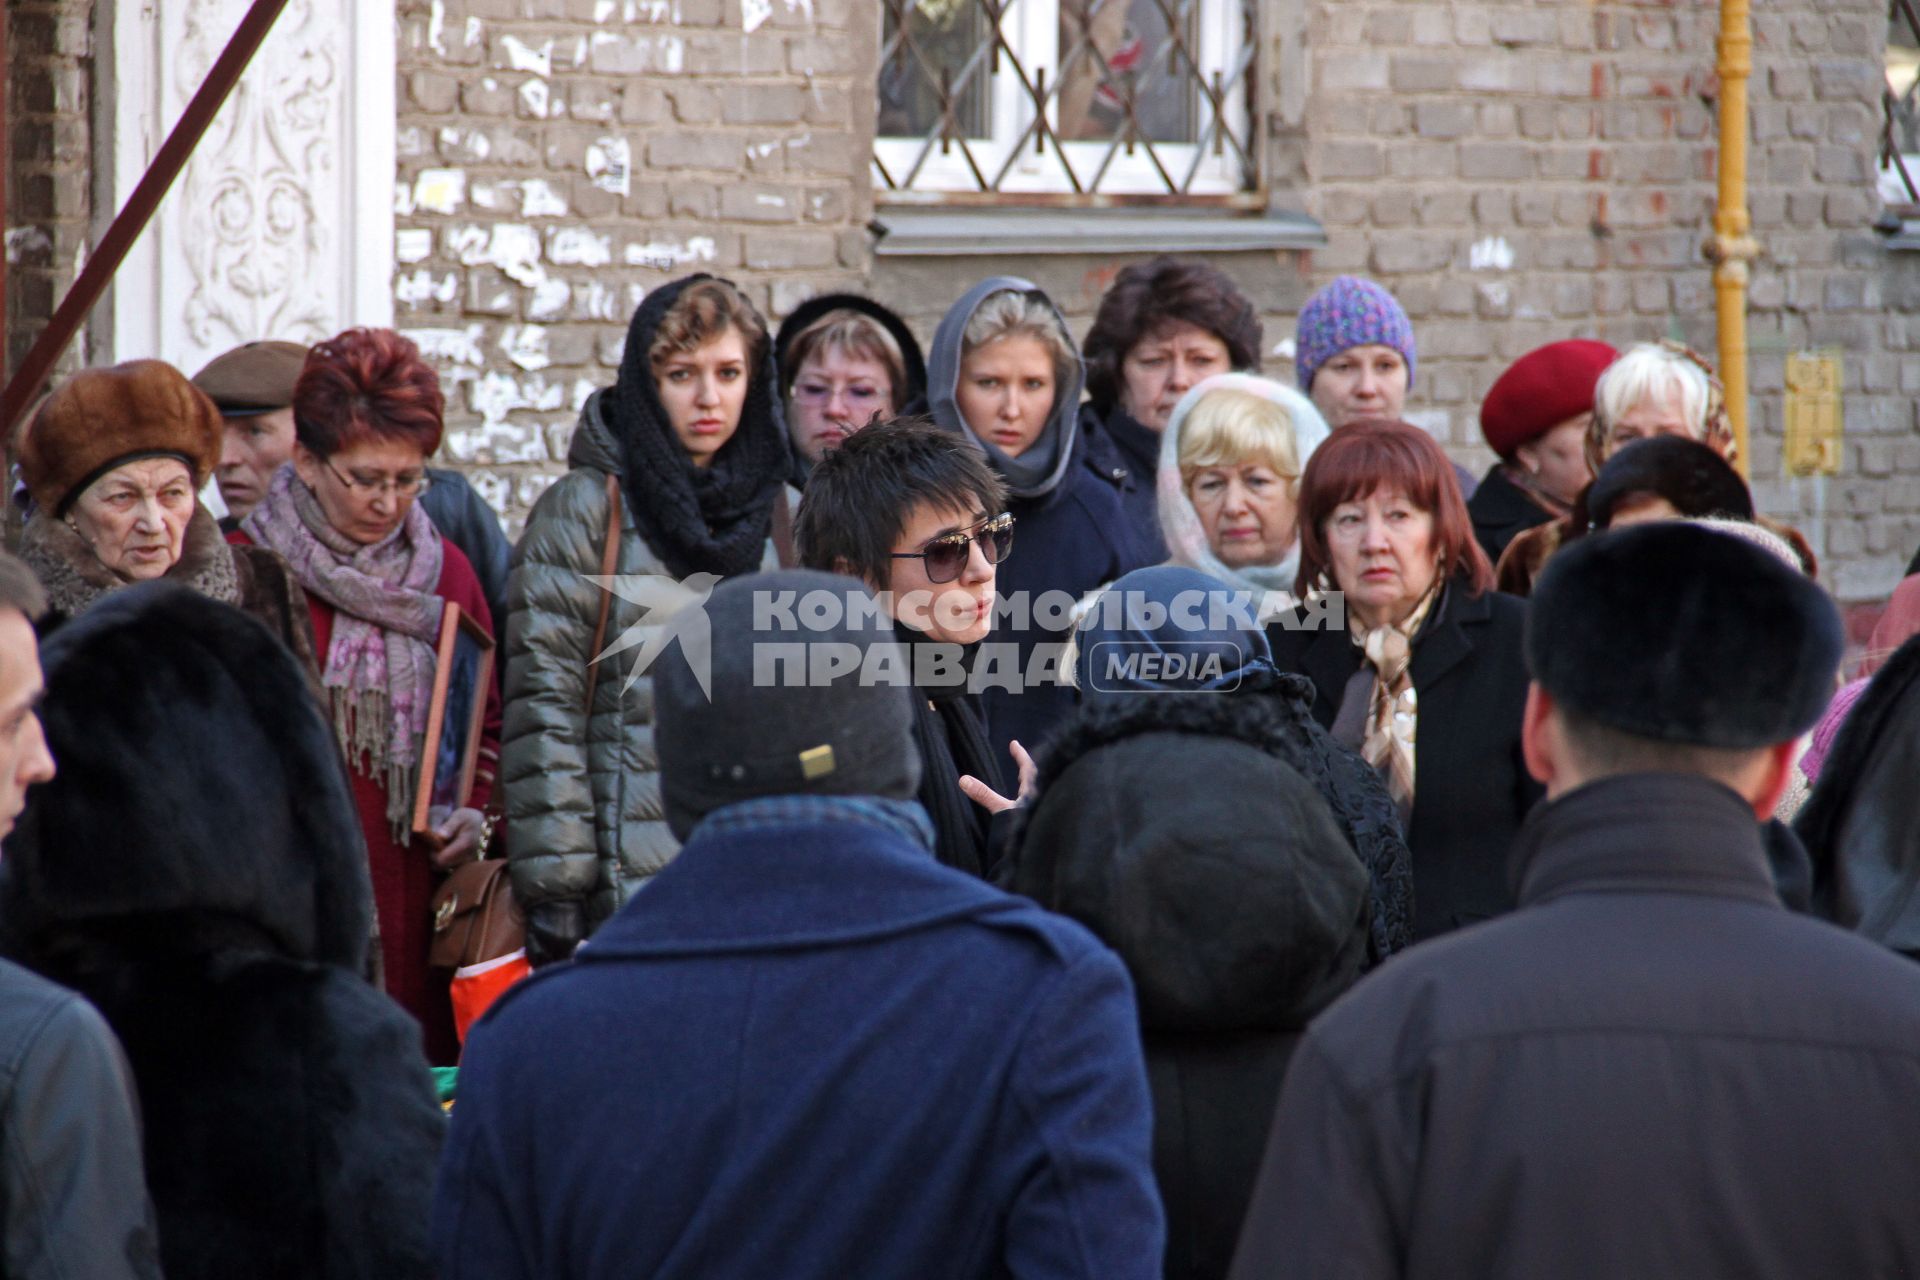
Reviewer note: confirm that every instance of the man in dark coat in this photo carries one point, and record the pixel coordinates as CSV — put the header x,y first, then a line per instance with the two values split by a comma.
x,y
196,870
1651,1068
807,1049
73,1196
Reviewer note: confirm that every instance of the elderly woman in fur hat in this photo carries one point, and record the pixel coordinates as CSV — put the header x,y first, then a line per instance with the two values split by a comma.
x,y
114,461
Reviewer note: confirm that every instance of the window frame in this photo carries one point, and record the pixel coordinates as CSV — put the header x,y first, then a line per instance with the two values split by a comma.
x,y
1021,164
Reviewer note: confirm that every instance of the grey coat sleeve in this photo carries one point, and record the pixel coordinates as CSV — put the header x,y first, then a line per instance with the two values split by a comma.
x,y
73,1191
1335,1183
1089,1208
544,749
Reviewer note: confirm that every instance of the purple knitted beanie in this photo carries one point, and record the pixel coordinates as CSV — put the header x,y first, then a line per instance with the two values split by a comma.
x,y
1349,313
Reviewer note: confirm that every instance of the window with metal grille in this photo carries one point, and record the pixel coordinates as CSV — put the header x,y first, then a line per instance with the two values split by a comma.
x,y
1068,101
1900,144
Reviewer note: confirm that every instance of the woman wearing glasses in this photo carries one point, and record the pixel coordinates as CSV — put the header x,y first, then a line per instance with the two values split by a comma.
x,y
845,361
378,577
919,516
678,474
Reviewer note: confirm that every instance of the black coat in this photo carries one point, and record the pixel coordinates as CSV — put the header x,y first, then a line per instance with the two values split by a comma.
x,y
1501,511
463,517
196,870
1861,825
1174,828
1070,541
1127,455
1650,1069
1471,786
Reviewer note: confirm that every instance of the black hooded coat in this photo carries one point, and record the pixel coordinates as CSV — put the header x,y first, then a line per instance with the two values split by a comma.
x,y
1171,825
196,870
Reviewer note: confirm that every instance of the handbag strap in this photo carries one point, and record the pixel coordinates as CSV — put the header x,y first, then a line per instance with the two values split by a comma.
x,y
609,561
783,531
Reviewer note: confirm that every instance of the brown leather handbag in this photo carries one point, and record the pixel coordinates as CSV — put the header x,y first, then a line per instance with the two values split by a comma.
x,y
475,918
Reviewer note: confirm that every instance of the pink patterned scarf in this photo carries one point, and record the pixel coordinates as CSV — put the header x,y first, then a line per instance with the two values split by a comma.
x,y
379,667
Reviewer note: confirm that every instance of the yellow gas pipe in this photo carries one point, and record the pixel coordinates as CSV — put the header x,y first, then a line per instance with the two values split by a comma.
x,y
1733,245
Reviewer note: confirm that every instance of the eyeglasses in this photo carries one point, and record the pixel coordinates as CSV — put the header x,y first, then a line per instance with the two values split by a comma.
x,y
946,557
408,484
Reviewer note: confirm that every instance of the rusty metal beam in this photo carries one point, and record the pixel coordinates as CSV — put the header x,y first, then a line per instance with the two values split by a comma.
x,y
133,217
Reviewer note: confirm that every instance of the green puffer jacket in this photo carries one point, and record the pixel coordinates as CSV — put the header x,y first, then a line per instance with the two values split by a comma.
x,y
582,794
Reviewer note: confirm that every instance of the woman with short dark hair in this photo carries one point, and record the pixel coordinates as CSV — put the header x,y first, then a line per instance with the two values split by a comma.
x,y
379,577
1426,652
1164,325
918,515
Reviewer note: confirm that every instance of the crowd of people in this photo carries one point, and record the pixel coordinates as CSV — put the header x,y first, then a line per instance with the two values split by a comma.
x,y
1193,829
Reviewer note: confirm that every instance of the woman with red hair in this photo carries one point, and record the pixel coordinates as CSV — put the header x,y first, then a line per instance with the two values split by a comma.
x,y
367,416
1406,642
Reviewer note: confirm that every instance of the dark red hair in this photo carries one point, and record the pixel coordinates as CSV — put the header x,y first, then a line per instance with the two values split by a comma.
x,y
1363,458
367,384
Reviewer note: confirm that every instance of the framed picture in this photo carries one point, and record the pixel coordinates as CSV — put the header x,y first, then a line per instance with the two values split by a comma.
x,y
450,750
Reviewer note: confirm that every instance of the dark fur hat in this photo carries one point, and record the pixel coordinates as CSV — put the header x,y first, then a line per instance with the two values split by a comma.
x,y
100,418
200,794
1688,474
1682,634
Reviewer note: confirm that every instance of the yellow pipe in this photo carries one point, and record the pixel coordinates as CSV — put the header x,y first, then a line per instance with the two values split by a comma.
x,y
1733,246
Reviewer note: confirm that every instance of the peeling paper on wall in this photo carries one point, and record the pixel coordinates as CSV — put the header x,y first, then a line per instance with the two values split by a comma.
x,y
444,347
610,165
1491,254
440,190
754,13
664,255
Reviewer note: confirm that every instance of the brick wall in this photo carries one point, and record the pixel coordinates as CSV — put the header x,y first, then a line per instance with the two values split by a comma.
x,y
1514,171
558,158
1518,172
49,140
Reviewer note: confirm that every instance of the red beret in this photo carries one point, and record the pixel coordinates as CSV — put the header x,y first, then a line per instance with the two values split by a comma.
x,y
1541,390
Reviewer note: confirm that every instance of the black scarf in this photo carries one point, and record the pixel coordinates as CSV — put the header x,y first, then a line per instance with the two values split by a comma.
x,y
712,520
952,739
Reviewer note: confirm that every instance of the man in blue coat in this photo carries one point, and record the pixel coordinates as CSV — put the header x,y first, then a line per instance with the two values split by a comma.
x,y
808,1049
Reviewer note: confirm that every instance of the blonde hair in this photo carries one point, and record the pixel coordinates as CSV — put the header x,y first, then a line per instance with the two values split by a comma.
x,y
1229,427
1016,313
856,334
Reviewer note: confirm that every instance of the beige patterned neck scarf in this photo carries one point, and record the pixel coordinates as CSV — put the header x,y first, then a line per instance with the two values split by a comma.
x,y
1393,714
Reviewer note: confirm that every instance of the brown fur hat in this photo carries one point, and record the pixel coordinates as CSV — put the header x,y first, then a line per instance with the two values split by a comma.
x,y
100,418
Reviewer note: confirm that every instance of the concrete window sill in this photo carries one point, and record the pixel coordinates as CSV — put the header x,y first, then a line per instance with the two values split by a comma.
x,y
1011,232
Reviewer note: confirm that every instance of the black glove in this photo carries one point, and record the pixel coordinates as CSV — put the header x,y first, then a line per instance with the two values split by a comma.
x,y
554,929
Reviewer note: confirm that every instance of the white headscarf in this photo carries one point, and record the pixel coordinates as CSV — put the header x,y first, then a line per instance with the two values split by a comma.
x,y
1180,523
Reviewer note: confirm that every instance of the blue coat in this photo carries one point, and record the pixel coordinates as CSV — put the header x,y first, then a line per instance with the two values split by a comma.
x,y
808,1050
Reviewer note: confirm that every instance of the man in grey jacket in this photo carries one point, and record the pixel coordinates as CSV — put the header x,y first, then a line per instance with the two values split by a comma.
x,y
1652,1067
73,1193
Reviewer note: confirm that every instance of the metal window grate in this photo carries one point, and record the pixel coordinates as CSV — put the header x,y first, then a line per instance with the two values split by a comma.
x,y
1900,138
1069,101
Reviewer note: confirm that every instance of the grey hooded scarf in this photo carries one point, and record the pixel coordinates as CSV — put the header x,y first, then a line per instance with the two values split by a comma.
x,y
1039,471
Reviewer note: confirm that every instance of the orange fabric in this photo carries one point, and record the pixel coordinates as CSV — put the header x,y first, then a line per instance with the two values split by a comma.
x,y
476,987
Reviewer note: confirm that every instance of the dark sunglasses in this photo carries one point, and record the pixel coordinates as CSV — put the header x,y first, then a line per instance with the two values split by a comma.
x,y
946,557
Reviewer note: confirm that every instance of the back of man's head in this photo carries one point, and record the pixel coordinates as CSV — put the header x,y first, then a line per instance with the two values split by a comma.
x,y
782,684
1673,648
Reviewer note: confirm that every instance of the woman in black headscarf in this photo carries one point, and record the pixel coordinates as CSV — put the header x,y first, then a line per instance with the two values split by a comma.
x,y
684,464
